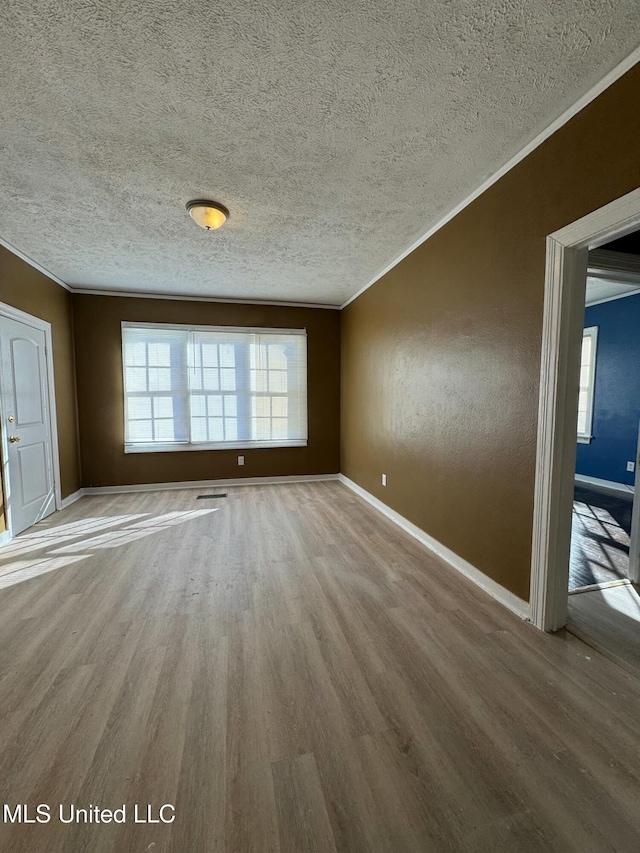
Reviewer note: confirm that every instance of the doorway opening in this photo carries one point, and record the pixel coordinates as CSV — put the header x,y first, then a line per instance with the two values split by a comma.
x,y
604,600
566,429
28,425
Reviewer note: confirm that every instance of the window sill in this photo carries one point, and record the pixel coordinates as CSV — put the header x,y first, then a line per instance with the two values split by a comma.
x,y
226,445
584,439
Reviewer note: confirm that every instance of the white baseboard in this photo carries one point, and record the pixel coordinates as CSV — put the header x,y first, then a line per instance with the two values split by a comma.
x,y
495,590
207,484
608,487
71,499
5,537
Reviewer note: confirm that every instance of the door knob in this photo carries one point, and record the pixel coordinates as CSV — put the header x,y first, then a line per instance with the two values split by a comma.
x,y
14,438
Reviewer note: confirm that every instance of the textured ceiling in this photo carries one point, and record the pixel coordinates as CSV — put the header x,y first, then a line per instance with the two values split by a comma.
x,y
336,131
599,289
613,269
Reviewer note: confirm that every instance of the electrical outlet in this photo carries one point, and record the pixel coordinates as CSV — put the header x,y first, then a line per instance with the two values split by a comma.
x,y
240,460
631,466
384,479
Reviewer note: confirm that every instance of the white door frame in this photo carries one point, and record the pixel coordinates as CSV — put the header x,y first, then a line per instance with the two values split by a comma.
x,y
564,294
36,323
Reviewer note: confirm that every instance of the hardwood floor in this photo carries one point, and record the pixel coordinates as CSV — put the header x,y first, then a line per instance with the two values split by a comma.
x,y
294,673
600,530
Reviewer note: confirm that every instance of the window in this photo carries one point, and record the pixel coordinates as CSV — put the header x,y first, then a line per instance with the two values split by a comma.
x,y
204,387
587,382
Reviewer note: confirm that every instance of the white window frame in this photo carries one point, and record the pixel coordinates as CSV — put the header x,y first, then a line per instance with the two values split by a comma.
x,y
590,332
184,446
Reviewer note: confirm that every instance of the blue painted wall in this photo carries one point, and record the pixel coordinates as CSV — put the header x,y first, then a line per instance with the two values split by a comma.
x,y
617,391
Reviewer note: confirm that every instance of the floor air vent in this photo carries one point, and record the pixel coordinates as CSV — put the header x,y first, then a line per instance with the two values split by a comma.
x,y
206,497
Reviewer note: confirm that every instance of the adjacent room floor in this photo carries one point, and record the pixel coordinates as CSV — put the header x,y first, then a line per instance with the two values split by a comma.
x,y
600,532
604,607
294,673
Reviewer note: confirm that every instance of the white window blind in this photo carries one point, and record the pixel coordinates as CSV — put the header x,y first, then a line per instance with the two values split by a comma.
x,y
587,383
198,387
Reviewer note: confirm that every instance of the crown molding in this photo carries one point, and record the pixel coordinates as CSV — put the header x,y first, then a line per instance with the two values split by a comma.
x,y
596,90
613,266
34,264
566,116
618,267
135,294
174,297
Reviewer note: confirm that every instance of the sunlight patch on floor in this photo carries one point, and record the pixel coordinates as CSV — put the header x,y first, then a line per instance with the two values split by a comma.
x,y
14,570
27,543
596,520
25,570
623,598
116,538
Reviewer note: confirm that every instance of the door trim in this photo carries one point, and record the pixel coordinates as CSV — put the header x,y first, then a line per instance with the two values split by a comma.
x,y
634,547
43,326
565,283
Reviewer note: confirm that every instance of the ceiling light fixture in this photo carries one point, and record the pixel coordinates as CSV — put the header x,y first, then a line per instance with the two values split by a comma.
x,y
208,214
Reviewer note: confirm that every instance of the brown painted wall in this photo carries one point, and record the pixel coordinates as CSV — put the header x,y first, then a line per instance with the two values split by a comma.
x,y
101,406
441,357
25,288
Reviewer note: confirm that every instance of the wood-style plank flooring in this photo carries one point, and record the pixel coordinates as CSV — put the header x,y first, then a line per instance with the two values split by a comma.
x,y
293,673
609,620
600,530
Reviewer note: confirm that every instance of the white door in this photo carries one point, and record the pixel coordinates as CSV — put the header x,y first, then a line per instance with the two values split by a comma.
x,y
26,428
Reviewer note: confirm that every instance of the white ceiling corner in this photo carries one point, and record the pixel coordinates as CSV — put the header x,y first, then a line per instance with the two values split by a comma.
x,y
603,290
337,133
611,275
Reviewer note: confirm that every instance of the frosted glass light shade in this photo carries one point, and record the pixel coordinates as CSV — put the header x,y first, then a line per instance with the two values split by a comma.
x,y
208,214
